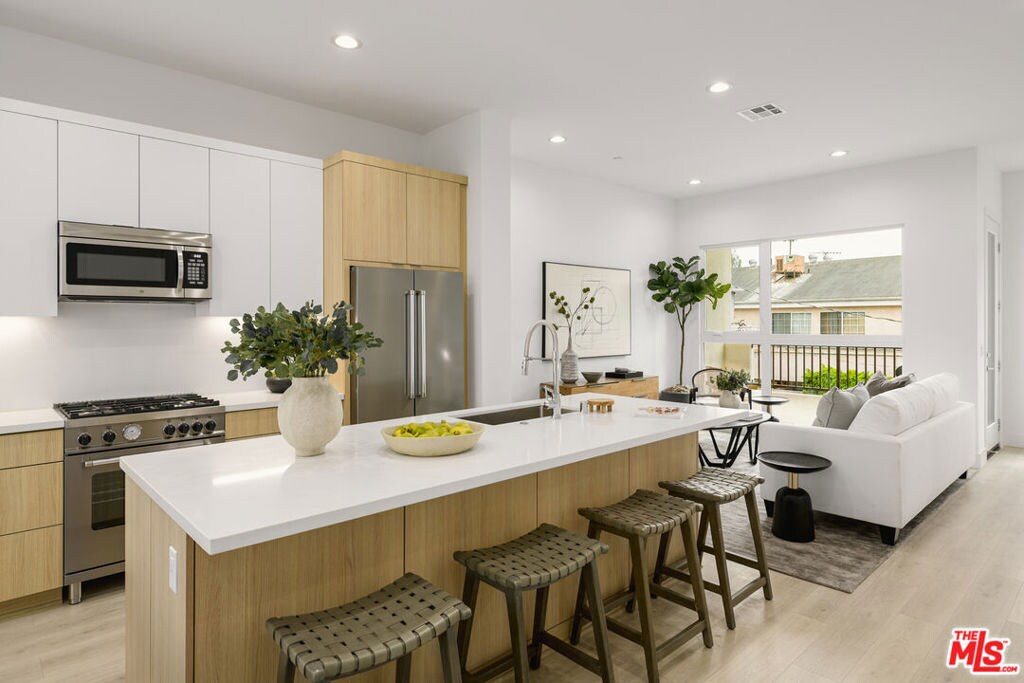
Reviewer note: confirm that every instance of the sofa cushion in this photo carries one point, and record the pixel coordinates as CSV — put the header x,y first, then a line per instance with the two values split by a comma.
x,y
945,388
879,384
838,408
896,411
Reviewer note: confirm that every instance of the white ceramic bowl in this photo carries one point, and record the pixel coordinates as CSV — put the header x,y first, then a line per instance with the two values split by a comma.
x,y
431,446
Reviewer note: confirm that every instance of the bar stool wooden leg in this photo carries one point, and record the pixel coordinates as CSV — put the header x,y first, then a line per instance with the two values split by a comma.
x,y
517,629
449,658
470,590
285,668
539,617
689,534
593,587
755,529
403,669
593,531
637,549
715,522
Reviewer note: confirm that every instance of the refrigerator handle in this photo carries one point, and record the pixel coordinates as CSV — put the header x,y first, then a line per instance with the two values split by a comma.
x,y
410,344
421,344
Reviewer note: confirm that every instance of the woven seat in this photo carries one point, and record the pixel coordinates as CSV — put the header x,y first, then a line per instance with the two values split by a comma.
x,y
534,560
713,486
645,513
372,631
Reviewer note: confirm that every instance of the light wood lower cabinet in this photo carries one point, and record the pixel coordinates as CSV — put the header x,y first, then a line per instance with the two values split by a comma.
x,y
31,497
31,562
243,424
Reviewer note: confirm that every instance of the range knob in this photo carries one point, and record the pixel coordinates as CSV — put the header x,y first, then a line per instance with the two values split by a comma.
x,y
183,428
84,439
197,426
169,430
109,436
211,425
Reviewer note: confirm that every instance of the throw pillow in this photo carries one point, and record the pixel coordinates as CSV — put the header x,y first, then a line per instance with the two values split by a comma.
x,y
837,408
878,384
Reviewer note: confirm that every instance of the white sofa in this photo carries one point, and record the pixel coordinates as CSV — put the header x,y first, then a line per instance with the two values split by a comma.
x,y
895,459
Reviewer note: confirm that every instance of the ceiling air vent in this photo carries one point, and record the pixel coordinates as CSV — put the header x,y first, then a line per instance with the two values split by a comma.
x,y
762,111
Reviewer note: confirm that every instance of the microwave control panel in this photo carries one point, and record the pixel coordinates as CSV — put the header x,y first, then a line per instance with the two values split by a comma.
x,y
197,270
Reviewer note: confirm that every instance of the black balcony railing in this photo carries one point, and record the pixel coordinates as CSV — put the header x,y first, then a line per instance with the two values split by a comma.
x,y
816,369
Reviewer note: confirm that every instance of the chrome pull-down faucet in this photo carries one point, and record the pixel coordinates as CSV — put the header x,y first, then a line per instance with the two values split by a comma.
x,y
556,365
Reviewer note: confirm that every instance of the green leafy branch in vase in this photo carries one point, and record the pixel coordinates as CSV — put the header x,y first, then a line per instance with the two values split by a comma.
x,y
573,313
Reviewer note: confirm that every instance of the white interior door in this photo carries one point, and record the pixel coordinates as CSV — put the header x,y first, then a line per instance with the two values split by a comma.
x,y
993,359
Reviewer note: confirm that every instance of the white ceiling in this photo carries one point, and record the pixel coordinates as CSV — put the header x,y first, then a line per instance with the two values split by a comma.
x,y
884,79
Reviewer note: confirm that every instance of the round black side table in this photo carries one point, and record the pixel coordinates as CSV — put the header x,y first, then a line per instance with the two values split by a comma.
x,y
793,516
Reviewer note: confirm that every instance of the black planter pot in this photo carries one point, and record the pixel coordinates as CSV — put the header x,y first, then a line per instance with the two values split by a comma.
x,y
278,386
674,396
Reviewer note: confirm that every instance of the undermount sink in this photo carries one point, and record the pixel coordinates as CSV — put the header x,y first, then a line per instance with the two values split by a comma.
x,y
501,417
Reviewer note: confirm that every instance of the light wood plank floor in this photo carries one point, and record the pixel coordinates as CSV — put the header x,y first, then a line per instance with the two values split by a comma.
x,y
963,567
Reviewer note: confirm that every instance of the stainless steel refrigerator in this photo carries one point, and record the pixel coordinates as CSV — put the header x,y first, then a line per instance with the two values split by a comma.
x,y
421,368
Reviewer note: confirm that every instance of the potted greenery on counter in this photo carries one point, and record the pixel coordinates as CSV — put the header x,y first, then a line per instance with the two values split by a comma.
x,y
305,346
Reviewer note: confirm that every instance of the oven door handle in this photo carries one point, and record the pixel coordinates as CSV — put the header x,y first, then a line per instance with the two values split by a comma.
x,y
101,462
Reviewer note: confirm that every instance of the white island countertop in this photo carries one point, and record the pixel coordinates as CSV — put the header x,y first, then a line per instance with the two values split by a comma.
x,y
239,493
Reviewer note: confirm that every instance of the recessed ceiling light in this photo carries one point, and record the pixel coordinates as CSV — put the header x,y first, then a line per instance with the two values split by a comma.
x,y
696,181
839,153
557,139
719,87
347,42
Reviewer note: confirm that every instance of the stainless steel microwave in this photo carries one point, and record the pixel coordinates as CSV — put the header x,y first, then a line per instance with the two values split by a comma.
x,y
116,263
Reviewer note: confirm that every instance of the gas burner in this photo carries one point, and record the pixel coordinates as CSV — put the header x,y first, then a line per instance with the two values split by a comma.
x,y
129,406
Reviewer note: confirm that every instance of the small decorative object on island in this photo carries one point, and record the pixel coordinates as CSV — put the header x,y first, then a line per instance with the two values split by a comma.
x,y
681,285
572,313
731,383
303,345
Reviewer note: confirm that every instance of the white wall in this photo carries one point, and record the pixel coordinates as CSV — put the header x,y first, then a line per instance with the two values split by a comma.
x,y
95,350
934,198
44,70
1013,309
557,216
478,146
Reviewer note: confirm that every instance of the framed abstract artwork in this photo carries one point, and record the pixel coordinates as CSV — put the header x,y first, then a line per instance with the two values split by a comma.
x,y
606,327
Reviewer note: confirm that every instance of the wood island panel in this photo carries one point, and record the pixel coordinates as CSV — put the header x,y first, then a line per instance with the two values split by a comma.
x,y
237,591
472,519
560,493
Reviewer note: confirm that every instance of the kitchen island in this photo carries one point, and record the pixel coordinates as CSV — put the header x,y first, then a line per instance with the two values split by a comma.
x,y
221,537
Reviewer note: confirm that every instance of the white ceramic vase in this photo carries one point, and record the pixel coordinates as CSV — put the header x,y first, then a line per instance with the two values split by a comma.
x,y
729,399
570,365
309,415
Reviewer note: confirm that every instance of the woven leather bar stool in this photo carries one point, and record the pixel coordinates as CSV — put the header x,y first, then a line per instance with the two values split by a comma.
x,y
711,488
382,627
534,561
637,518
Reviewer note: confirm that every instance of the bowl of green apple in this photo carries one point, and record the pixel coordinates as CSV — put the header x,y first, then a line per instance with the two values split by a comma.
x,y
430,439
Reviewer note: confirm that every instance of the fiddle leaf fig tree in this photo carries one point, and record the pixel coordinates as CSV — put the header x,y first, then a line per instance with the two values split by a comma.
x,y
679,286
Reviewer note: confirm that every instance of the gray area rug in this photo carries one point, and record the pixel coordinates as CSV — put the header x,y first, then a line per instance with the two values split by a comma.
x,y
844,551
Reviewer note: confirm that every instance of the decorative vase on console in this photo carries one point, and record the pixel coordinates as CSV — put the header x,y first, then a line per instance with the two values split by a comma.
x,y
305,346
574,314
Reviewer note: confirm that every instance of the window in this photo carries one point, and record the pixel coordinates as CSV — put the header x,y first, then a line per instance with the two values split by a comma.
x,y
791,323
842,322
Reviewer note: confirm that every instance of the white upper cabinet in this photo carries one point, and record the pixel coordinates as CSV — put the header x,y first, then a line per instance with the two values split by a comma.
x,y
240,223
296,234
98,173
28,215
174,186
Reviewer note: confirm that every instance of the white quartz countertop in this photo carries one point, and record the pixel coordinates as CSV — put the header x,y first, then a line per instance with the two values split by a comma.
x,y
239,493
13,421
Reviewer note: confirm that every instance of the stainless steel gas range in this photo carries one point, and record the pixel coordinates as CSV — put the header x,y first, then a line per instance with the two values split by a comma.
x,y
96,435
